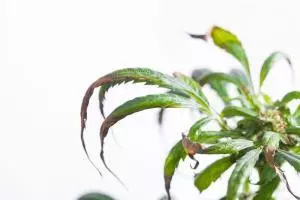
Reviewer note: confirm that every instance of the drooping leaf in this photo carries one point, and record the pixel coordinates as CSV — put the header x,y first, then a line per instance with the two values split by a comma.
x,y
211,173
241,172
139,104
171,163
227,147
145,75
269,63
293,159
218,76
289,97
266,190
233,111
95,196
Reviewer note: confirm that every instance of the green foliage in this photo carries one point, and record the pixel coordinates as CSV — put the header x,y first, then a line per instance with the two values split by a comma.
x,y
254,133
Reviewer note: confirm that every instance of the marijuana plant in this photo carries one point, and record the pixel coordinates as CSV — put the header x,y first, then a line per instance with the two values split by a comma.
x,y
254,132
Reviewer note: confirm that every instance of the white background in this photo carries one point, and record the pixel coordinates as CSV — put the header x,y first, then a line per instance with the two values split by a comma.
x,y
50,51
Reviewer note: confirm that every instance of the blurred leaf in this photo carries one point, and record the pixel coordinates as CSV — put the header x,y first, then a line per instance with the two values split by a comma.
x,y
289,97
211,173
171,163
217,85
266,190
241,76
233,111
95,196
292,158
241,172
269,63
230,43
293,130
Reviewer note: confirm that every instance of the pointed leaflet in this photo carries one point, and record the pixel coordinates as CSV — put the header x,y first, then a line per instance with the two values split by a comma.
x,y
171,163
233,111
143,103
212,137
269,63
289,97
211,173
241,172
137,75
292,158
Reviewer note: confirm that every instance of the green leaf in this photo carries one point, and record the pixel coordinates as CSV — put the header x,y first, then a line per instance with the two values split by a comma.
x,y
293,130
233,111
171,163
269,63
230,43
289,97
241,172
95,196
292,158
143,103
211,173
198,125
227,147
138,75
212,137
266,190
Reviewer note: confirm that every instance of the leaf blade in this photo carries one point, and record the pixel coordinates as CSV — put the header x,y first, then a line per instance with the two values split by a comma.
x,y
241,172
211,173
269,63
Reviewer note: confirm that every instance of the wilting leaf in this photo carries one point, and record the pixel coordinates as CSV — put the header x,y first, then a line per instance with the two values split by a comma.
x,y
211,173
143,103
266,190
217,76
233,111
269,63
292,158
171,163
289,97
241,172
95,196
